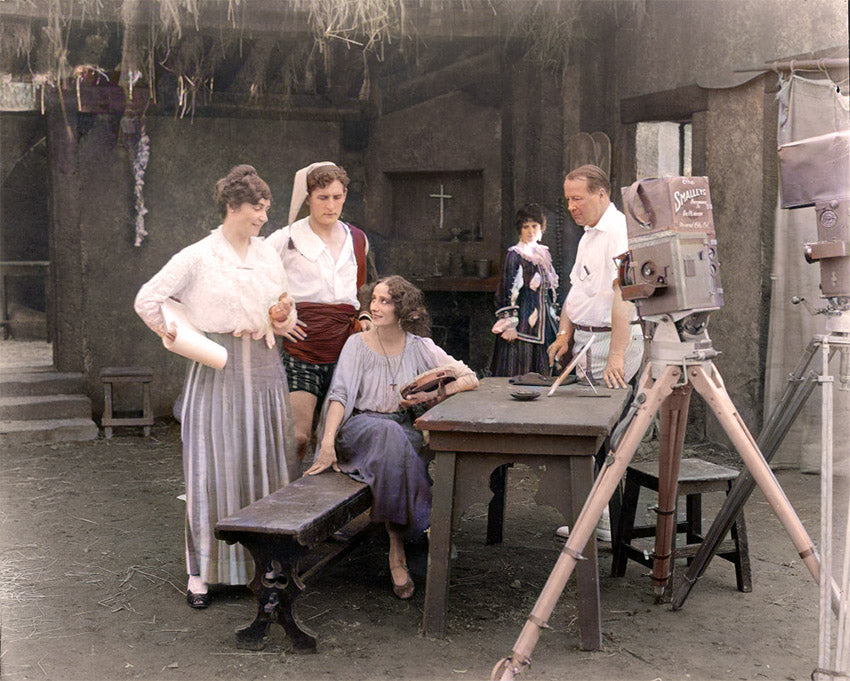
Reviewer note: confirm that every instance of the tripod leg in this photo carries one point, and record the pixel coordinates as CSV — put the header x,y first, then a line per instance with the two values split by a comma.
x,y
674,419
842,648
714,393
779,422
649,397
826,507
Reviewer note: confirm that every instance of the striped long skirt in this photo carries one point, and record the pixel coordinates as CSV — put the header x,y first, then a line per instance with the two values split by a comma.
x,y
238,446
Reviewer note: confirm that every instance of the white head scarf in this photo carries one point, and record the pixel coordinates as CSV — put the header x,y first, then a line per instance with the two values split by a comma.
x,y
299,188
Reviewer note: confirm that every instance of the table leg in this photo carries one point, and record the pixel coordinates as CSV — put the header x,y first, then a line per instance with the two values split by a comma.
x,y
4,309
107,409
587,571
496,507
439,546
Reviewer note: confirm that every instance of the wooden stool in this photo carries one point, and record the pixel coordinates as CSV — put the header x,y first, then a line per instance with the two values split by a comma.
x,y
695,477
137,375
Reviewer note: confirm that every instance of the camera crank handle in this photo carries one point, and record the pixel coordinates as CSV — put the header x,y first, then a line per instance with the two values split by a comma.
x,y
796,300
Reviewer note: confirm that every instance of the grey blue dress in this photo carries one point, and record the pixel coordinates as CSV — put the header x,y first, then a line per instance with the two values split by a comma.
x,y
377,443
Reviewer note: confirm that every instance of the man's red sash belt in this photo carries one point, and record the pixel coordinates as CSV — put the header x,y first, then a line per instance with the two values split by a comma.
x,y
328,327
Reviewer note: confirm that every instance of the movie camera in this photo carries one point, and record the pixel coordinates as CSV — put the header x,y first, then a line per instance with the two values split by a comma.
x,y
672,274
671,267
816,172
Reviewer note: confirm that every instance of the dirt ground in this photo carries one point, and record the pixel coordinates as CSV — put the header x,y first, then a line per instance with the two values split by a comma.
x,y
91,564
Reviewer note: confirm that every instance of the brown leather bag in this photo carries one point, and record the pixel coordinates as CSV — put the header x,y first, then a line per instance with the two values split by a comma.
x,y
429,387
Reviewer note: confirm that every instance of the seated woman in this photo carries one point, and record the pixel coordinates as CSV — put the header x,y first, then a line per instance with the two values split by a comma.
x,y
367,431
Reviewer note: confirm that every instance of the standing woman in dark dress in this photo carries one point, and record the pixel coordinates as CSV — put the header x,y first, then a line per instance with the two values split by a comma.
x,y
526,323
367,431
236,424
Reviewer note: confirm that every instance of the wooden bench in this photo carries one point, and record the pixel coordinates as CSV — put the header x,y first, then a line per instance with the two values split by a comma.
x,y
285,533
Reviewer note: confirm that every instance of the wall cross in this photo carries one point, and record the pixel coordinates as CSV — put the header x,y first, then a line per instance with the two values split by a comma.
x,y
442,196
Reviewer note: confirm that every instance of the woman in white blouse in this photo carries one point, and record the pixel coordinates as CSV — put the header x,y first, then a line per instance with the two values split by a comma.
x,y
237,430
367,431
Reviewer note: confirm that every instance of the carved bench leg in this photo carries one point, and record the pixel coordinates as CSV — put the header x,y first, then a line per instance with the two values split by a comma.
x,y
275,586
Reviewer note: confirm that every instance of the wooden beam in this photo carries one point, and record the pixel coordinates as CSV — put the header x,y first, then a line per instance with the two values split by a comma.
x,y
109,98
482,68
252,17
671,105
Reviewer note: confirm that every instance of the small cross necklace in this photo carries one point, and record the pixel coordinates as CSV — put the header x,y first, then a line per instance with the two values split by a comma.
x,y
393,374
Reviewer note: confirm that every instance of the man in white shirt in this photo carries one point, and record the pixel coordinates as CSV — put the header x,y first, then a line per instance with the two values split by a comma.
x,y
594,305
325,262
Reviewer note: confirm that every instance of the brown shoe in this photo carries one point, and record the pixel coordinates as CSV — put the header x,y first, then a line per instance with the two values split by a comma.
x,y
403,591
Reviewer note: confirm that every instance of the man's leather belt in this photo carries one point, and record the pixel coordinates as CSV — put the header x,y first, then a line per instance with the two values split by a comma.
x,y
592,329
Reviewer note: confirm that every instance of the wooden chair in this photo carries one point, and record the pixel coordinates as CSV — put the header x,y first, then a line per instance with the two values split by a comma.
x,y
696,477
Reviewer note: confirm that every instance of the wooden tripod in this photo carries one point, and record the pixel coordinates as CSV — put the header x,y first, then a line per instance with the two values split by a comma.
x,y
676,366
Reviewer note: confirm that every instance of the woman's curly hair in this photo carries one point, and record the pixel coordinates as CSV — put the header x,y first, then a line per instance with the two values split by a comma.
x,y
241,185
409,303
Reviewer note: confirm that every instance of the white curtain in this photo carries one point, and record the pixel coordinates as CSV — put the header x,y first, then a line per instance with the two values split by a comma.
x,y
807,108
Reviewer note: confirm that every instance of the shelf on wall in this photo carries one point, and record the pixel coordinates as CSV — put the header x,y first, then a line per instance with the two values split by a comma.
x,y
467,284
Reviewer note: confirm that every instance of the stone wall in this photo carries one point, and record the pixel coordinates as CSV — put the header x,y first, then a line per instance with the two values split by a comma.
x,y
671,43
100,271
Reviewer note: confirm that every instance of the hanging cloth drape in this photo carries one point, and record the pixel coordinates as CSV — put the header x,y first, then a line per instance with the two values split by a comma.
x,y
807,108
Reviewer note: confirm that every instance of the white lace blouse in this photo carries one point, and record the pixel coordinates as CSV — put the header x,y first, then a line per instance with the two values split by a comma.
x,y
222,293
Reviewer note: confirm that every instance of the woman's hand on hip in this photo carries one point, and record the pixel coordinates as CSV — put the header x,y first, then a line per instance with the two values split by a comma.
x,y
296,333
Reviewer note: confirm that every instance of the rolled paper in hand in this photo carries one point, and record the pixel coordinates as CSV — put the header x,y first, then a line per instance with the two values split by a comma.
x,y
189,341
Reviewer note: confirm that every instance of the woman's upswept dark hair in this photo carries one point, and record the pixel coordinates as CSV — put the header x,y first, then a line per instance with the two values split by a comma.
x,y
240,185
409,303
530,212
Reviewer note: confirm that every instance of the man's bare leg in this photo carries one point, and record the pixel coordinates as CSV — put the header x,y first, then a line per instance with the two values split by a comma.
x,y
303,406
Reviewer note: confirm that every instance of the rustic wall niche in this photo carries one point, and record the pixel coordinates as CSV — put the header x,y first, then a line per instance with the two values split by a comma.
x,y
437,206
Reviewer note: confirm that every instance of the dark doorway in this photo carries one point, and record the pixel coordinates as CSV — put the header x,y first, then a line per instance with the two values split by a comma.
x,y
24,225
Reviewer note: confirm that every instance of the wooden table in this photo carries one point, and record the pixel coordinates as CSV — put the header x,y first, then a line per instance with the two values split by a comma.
x,y
475,432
